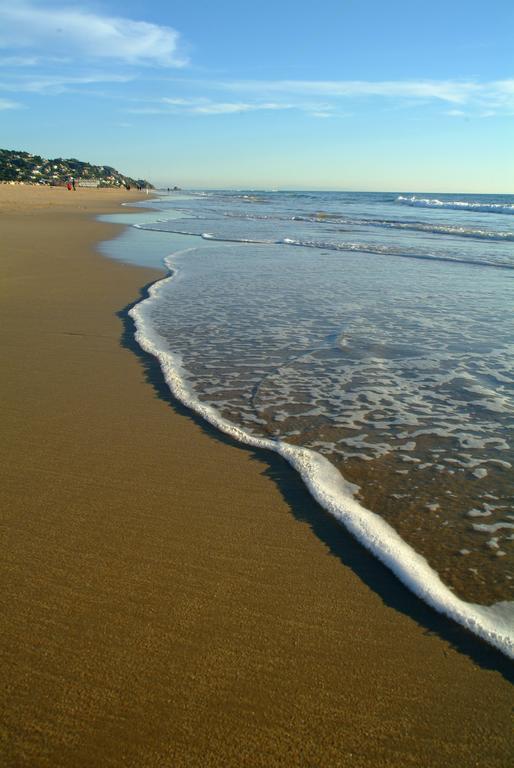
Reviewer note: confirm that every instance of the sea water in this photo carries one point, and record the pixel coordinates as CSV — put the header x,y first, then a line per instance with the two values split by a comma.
x,y
368,338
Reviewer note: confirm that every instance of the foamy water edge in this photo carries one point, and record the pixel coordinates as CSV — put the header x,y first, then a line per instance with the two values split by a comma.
x,y
494,624
379,250
456,205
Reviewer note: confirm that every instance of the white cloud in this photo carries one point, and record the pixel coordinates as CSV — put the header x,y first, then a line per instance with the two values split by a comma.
x,y
445,90
18,61
226,108
204,106
82,33
502,95
505,86
56,84
6,104
323,98
459,93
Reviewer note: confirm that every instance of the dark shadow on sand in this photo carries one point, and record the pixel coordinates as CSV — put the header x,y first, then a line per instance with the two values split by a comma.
x,y
339,543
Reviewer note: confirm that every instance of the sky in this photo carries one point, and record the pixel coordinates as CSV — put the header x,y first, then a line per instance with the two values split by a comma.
x,y
340,94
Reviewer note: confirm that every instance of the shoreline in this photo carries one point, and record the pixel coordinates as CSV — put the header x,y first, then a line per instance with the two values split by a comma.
x,y
333,492
172,598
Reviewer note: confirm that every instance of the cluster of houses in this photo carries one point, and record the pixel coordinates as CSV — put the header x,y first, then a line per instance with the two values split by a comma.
x,y
24,167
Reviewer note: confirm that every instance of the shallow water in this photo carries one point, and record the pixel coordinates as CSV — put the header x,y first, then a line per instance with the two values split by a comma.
x,y
374,330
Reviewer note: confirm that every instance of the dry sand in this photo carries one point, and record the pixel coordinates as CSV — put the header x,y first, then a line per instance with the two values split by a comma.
x,y
170,598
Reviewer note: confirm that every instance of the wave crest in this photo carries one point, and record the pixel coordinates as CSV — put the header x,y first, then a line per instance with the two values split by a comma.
x,y
456,205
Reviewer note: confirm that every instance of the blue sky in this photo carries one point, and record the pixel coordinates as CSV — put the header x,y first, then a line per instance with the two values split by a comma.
x,y
335,95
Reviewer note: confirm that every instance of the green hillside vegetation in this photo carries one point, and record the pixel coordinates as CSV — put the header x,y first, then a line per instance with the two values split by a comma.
x,y
33,169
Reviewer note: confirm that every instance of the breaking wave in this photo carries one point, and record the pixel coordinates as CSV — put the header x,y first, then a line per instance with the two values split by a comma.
x,y
456,205
224,234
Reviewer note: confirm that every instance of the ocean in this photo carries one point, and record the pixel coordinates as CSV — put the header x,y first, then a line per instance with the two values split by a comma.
x,y
369,339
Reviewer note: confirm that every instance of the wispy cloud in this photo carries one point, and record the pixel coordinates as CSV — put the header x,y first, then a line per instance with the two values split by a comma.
x,y
78,32
330,98
71,47
57,84
446,90
18,61
207,106
6,104
456,93
502,94
204,106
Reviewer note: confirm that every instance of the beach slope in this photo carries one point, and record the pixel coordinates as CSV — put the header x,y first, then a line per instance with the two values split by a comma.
x,y
170,598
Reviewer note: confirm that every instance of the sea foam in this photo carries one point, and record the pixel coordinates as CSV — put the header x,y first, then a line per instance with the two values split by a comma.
x,y
456,205
270,233
494,624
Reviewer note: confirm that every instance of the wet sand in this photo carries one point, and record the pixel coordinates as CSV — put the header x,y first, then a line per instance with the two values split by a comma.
x,y
170,598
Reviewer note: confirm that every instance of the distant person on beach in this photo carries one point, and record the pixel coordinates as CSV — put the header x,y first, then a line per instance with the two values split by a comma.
x,y
69,187
73,183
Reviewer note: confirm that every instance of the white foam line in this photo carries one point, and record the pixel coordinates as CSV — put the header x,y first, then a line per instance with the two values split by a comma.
x,y
471,205
494,624
380,250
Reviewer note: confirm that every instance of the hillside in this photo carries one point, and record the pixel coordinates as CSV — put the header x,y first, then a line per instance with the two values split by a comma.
x,y
23,166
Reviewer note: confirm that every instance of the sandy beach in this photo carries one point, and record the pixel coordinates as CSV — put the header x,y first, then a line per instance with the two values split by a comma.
x,y
169,597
